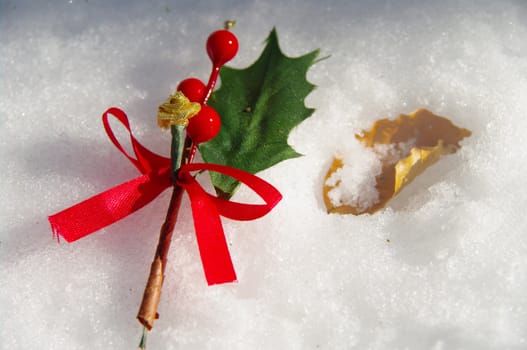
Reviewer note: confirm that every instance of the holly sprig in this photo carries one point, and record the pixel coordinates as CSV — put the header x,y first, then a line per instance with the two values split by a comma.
x,y
259,106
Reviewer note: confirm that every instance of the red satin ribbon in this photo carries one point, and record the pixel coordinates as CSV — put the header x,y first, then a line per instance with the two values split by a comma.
x,y
120,201
206,211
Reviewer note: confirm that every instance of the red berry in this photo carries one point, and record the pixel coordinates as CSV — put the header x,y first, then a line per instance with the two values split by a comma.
x,y
222,46
193,88
204,126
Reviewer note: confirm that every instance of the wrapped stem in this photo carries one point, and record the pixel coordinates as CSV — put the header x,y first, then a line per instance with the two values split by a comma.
x,y
177,148
174,112
152,294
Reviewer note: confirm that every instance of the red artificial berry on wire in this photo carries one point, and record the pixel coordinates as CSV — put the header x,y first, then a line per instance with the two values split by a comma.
x,y
204,126
222,46
193,88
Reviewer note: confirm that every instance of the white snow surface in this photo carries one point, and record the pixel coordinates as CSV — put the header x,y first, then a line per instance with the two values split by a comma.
x,y
444,266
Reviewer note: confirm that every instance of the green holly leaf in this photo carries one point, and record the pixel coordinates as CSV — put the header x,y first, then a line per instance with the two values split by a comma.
x,y
259,106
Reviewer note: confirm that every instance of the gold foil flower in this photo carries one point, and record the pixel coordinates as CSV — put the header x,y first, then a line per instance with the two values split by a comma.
x,y
176,110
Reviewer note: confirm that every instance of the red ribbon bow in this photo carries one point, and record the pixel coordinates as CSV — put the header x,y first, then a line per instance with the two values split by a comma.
x,y
122,200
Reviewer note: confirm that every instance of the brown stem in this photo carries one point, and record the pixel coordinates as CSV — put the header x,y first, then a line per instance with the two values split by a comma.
x,y
148,310
152,294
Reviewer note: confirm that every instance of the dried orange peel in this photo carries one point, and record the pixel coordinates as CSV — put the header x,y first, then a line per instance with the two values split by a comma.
x,y
430,137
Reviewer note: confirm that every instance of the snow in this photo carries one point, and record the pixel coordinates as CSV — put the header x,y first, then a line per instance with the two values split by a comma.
x,y
442,267
354,183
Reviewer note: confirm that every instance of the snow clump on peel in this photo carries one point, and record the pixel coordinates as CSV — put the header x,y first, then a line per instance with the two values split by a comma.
x,y
354,183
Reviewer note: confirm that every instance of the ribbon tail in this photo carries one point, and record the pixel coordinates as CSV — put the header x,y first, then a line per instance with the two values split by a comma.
x,y
213,249
107,207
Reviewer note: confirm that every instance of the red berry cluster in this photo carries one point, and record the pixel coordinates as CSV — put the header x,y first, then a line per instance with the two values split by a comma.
x,y
222,46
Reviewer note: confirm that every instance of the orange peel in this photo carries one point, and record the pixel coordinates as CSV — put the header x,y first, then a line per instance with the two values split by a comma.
x,y
431,137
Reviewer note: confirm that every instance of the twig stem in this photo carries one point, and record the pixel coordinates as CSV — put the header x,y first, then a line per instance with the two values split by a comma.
x,y
142,343
182,152
152,294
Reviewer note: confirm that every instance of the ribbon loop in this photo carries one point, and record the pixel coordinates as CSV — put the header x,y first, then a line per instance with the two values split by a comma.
x,y
230,209
120,201
146,160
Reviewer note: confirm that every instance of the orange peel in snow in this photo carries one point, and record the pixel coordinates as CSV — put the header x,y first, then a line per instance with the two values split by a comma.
x,y
426,137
